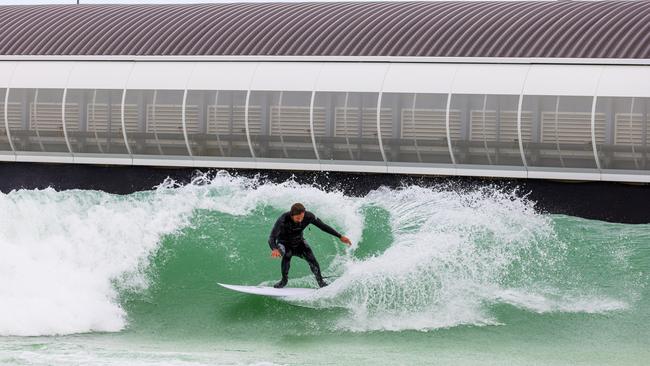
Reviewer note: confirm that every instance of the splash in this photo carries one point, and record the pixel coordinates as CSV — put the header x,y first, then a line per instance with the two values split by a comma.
x,y
66,254
61,252
456,253
65,257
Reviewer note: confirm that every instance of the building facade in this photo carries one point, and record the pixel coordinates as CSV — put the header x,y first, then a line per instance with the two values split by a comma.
x,y
555,90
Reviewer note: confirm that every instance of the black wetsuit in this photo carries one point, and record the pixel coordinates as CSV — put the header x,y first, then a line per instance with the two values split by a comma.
x,y
286,236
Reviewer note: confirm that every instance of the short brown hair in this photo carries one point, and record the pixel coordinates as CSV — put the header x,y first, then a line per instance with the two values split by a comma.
x,y
296,209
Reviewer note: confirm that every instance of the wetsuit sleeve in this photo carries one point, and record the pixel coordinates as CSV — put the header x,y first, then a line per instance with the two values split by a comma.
x,y
323,226
275,232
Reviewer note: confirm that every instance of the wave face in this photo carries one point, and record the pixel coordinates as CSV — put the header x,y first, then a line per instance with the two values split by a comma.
x,y
424,258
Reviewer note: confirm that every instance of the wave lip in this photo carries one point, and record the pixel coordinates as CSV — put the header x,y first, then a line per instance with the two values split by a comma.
x,y
454,255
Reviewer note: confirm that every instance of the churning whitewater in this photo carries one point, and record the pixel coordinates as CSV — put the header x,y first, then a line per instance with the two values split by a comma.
x,y
422,258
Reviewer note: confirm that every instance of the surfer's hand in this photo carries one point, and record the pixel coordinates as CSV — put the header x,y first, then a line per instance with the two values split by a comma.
x,y
276,253
346,240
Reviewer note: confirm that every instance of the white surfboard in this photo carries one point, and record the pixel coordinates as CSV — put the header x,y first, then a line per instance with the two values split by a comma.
x,y
270,291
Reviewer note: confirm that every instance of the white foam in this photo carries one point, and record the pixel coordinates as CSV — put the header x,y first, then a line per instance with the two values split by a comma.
x,y
549,300
452,253
81,352
63,252
451,257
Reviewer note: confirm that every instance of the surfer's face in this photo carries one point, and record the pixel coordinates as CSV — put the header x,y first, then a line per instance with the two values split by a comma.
x,y
298,218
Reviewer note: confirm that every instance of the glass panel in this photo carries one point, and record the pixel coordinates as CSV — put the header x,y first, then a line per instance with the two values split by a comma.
x,y
203,107
484,129
4,138
18,116
350,126
93,121
283,128
35,120
626,133
413,128
219,128
155,124
560,132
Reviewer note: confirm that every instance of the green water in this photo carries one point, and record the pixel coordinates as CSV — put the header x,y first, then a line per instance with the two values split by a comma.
x,y
436,276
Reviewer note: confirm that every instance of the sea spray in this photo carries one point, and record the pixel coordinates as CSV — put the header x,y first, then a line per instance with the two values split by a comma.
x,y
454,254
64,253
62,250
68,258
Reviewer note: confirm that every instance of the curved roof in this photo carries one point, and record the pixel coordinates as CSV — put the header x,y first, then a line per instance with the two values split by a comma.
x,y
571,29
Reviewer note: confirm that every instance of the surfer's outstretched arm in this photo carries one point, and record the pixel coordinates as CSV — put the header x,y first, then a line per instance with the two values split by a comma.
x,y
326,228
330,230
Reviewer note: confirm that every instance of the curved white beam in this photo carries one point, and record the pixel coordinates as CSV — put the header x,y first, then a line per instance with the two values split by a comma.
x,y
593,119
187,142
183,108
122,117
381,92
381,144
311,124
311,113
447,131
248,133
447,115
65,130
248,99
11,142
63,100
519,134
6,108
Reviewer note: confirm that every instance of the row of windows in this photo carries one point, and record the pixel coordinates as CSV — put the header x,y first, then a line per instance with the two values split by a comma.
x,y
552,131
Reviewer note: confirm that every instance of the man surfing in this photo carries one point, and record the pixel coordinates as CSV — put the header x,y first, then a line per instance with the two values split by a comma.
x,y
286,240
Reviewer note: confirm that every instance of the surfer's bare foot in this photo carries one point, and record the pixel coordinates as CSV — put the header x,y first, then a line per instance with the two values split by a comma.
x,y
281,283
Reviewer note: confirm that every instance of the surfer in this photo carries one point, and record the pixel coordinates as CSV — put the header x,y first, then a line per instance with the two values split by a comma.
x,y
286,240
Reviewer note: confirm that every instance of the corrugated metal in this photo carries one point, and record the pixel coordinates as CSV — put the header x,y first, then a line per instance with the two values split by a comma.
x,y
571,29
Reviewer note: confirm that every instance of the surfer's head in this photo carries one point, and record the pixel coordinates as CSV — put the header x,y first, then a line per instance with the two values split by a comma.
x,y
297,212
